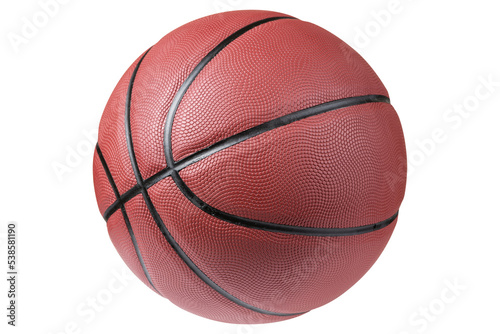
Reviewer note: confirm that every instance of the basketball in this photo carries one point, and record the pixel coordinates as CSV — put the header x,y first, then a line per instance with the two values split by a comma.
x,y
250,167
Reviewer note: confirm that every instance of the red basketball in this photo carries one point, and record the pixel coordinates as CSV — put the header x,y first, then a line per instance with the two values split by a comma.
x,y
250,167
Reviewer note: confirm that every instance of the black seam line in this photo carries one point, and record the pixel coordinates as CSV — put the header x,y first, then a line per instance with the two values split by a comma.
x,y
273,227
281,121
177,99
242,136
125,216
161,225
167,137
128,133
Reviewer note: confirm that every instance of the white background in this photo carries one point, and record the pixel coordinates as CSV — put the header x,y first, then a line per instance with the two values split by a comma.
x,y
433,58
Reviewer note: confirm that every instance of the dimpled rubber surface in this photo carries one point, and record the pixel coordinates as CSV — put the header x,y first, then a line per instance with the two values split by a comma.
x,y
163,71
297,65
332,170
105,196
120,237
274,271
251,178
111,136
171,276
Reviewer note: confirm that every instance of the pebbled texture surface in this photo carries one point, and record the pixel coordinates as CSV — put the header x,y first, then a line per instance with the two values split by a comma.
x,y
163,71
331,170
173,279
297,65
274,271
120,237
322,171
105,196
112,135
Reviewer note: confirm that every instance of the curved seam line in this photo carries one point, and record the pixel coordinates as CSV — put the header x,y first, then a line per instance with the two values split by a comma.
x,y
274,227
167,136
161,225
242,136
281,121
125,215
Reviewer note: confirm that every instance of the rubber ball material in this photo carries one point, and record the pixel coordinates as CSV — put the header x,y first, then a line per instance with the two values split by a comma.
x,y
250,167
